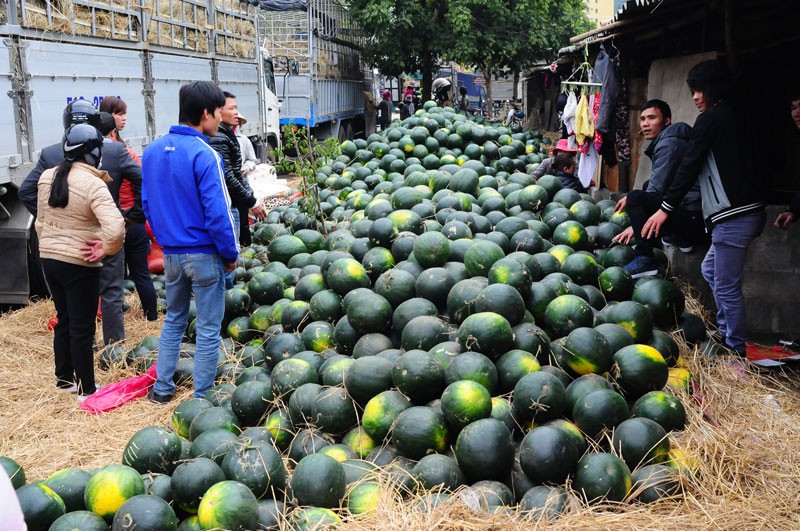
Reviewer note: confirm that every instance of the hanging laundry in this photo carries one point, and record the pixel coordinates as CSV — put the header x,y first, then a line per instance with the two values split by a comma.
x,y
584,124
568,117
606,73
588,164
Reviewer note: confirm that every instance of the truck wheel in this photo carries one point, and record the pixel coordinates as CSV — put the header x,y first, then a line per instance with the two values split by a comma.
x,y
342,132
348,131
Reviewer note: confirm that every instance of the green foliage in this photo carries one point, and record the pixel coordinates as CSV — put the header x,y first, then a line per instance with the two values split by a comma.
x,y
303,155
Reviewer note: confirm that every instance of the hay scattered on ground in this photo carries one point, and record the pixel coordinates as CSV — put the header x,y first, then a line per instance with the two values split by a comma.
x,y
748,466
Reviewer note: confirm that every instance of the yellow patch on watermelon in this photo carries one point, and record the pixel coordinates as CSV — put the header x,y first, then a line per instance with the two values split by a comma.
x,y
105,500
559,254
581,365
679,379
630,326
646,351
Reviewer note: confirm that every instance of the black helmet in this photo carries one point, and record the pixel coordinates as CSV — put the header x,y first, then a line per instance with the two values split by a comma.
x,y
81,111
83,140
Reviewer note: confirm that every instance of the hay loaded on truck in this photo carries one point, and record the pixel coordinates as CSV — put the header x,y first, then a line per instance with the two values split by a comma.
x,y
318,73
139,50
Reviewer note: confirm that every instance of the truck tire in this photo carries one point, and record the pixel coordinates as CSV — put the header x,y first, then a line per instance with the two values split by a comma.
x,y
348,127
342,132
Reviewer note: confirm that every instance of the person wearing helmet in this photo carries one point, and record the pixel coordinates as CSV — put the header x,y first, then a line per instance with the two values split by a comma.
x,y
187,204
76,112
78,224
120,167
441,91
385,110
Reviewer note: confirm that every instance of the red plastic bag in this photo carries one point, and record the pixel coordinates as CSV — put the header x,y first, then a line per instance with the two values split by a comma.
x,y
119,393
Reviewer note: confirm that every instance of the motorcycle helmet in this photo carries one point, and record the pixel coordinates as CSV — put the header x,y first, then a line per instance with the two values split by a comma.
x,y
83,140
81,111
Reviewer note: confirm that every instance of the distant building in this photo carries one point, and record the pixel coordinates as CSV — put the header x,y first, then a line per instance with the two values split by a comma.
x,y
601,11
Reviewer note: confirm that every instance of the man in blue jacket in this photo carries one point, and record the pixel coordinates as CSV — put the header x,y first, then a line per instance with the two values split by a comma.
x,y
188,206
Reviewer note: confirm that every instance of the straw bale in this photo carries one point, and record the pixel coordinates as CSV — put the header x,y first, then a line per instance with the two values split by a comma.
x,y
743,436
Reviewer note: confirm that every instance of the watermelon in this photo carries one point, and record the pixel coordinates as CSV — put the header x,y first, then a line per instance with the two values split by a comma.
x,y
664,408
465,401
145,513
599,410
228,505
380,413
419,376
548,455
437,471
69,484
539,396
631,316
191,479
334,411
601,476
313,518
257,465
544,502
83,520
485,450
640,441
639,369
654,482
587,351
566,313
14,470
486,332
663,298
318,480
251,400
40,505
418,431
512,366
110,487
363,498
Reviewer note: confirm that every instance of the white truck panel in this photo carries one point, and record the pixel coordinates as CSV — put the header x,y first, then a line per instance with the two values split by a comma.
x,y
169,73
63,72
241,79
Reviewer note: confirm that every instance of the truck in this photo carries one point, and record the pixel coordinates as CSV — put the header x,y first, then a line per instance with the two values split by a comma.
x,y
142,52
319,78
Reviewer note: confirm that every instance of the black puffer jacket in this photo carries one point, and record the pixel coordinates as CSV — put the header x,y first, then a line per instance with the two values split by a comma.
x,y
226,144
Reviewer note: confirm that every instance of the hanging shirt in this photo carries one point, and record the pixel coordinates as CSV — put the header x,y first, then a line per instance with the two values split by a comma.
x,y
584,124
568,117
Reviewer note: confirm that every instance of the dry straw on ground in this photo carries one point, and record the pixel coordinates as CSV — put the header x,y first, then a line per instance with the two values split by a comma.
x,y
748,473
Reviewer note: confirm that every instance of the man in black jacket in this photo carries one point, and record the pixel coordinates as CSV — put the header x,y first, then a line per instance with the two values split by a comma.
x,y
120,166
732,193
227,145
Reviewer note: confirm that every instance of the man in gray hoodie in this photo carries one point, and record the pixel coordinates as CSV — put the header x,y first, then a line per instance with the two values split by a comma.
x,y
666,151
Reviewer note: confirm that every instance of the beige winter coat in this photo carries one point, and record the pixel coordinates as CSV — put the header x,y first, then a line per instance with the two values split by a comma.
x,y
89,215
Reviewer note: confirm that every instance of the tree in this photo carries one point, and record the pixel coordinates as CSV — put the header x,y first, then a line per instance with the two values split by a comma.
x,y
509,35
404,36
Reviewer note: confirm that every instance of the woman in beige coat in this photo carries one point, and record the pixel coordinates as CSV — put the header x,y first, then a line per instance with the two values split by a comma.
x,y
78,224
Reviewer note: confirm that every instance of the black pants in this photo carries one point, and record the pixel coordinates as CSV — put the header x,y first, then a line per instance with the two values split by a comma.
x,y
244,227
137,245
75,290
687,224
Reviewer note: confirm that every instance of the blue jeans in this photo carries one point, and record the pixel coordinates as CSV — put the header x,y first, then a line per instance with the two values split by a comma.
x,y
204,276
722,268
229,277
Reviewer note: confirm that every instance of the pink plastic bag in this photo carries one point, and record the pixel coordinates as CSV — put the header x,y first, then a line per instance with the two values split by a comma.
x,y
115,395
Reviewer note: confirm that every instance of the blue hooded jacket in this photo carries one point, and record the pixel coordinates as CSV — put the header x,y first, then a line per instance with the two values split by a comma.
x,y
184,195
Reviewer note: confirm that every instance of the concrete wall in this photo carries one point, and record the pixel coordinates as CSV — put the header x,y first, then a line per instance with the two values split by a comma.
x,y
771,280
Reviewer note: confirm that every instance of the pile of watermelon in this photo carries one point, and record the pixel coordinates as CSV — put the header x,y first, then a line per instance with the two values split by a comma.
x,y
453,327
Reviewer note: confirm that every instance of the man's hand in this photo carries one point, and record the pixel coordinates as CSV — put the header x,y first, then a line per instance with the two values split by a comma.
x,y
229,266
93,251
624,237
620,206
652,228
259,212
784,219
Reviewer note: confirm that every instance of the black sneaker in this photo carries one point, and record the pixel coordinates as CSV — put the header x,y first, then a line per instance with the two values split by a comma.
x,y
642,266
156,398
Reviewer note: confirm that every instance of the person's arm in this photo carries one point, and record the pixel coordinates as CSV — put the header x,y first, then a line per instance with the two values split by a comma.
x,y
694,158
132,172
667,156
238,191
785,219
28,190
112,224
543,168
216,206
